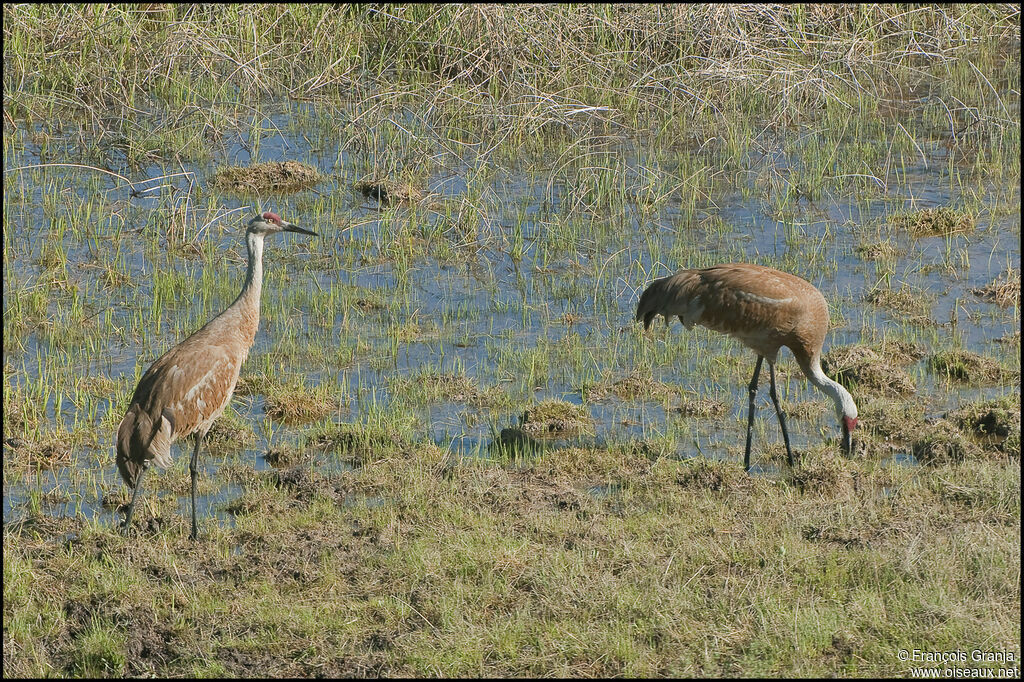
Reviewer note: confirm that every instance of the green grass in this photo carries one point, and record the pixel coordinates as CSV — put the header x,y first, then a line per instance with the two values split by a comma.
x,y
689,568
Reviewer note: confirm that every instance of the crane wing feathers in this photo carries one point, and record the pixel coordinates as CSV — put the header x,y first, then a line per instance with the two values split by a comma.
x,y
762,307
182,392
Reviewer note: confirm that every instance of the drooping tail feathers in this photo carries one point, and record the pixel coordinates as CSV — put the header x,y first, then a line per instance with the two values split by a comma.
x,y
668,296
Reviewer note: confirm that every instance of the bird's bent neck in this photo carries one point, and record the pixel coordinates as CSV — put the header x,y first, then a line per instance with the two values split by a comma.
x,y
845,407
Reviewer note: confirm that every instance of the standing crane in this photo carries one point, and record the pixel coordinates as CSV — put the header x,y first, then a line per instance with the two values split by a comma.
x,y
764,309
189,386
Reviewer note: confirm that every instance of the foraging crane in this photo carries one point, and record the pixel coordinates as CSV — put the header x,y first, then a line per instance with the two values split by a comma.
x,y
764,309
189,386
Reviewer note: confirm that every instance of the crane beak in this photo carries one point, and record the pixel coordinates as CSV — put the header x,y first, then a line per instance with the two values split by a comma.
x,y
292,227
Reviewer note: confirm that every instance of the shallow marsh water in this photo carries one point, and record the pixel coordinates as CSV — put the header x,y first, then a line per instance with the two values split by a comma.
x,y
523,278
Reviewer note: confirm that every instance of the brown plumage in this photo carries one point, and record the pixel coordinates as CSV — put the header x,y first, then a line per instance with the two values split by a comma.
x,y
189,386
764,309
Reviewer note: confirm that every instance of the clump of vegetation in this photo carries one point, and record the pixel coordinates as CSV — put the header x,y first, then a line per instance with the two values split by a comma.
x,y
882,250
901,352
298,404
369,303
863,367
967,367
995,424
944,443
435,386
698,473
288,455
1004,291
19,413
302,483
360,442
252,383
632,387
556,418
389,192
824,476
912,305
228,434
49,453
893,425
701,408
930,222
1011,339
271,176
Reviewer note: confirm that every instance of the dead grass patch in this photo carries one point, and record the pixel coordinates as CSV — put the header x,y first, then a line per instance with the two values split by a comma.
x,y
556,418
635,386
299,405
943,443
967,367
705,474
883,250
388,191
913,305
931,222
1004,290
272,176
863,367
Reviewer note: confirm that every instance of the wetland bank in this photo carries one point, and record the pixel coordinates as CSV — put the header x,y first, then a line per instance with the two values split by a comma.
x,y
451,451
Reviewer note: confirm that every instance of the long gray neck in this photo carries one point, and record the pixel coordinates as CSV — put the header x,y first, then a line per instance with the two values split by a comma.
x,y
249,298
845,407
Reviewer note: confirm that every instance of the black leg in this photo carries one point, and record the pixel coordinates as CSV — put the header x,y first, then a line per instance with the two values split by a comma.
x,y
135,495
782,415
750,411
195,475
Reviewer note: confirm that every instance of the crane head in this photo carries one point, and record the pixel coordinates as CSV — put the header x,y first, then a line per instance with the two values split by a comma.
x,y
848,424
269,223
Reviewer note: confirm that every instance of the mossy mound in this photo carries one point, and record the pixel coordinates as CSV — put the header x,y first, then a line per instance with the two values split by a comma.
x,y
933,222
360,443
867,370
944,443
966,367
912,306
882,250
994,424
701,408
556,418
388,192
704,474
272,176
632,387
827,477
